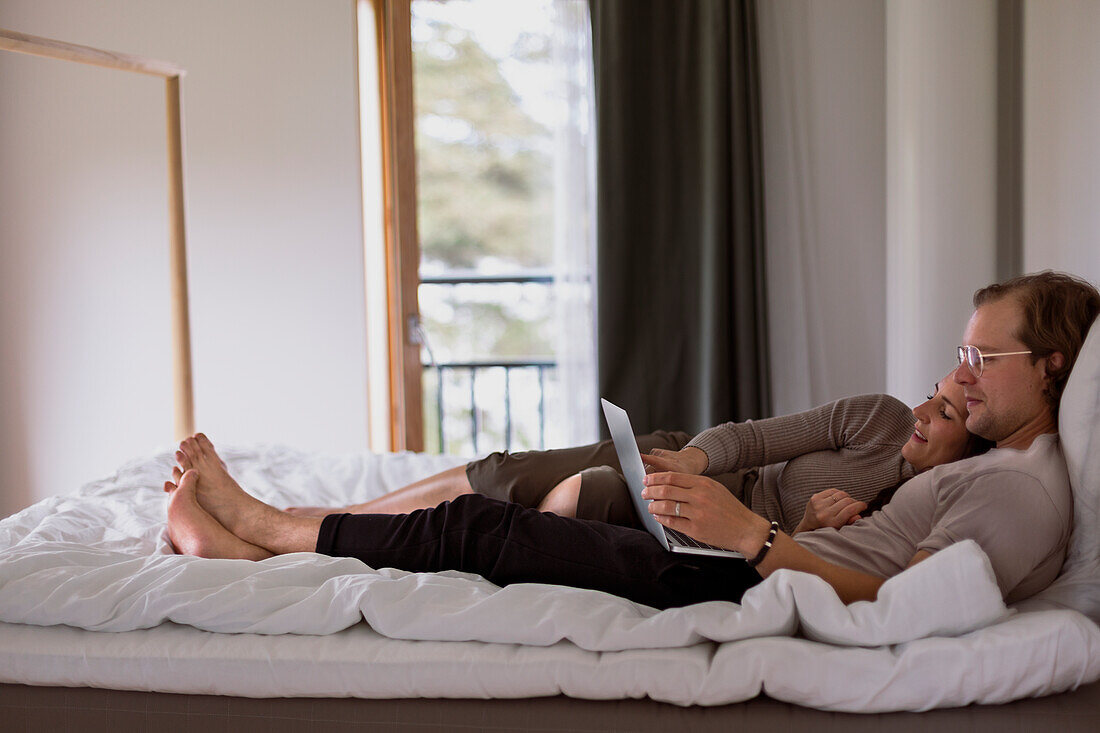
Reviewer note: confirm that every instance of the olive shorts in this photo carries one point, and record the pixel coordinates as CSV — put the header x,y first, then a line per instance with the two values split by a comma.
x,y
526,478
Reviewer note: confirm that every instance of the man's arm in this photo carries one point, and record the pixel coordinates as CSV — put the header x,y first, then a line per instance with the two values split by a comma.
x,y
710,514
850,585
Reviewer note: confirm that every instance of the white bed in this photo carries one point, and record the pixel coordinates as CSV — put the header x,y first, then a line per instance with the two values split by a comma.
x,y
292,625
90,596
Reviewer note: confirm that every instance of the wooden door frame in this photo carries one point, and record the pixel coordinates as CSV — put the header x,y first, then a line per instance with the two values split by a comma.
x,y
393,24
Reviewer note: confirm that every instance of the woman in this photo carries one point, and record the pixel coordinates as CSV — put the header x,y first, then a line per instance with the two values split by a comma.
x,y
809,470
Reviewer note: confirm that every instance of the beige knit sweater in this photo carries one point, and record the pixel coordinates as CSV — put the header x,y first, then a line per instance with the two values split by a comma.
x,y
853,444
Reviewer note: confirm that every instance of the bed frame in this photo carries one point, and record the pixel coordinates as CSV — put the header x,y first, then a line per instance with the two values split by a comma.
x,y
90,710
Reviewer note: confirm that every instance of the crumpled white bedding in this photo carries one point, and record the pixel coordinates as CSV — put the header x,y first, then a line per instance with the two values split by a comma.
x,y
98,560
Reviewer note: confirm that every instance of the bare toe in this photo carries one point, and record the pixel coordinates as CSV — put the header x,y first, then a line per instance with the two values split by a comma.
x,y
188,448
183,460
206,448
169,487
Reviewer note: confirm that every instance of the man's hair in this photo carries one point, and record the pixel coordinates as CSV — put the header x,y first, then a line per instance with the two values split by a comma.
x,y
1058,310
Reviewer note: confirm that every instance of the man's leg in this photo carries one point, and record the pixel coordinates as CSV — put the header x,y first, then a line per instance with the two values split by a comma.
x,y
192,531
507,543
245,516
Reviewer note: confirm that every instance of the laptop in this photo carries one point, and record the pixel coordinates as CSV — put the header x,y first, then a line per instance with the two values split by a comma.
x,y
630,459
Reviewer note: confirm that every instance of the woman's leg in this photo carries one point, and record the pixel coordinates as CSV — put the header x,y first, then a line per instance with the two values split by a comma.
x,y
507,543
562,499
423,494
527,478
599,493
428,492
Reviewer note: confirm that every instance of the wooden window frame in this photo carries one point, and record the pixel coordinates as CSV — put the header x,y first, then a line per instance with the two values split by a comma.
x,y
393,27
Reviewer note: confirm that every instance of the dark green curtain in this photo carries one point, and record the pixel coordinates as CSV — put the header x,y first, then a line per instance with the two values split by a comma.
x,y
680,254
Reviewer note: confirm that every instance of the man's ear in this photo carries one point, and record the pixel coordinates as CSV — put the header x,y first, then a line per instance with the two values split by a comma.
x,y
1055,362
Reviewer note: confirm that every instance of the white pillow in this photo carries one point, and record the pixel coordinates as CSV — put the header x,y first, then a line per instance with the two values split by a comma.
x,y
1078,586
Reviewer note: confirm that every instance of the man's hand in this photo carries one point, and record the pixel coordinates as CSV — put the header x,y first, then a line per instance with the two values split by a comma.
x,y
830,508
687,460
709,513
704,509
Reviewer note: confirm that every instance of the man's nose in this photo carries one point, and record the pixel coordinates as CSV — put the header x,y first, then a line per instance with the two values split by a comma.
x,y
962,375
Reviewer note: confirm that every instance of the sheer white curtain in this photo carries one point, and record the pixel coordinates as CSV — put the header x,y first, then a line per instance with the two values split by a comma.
x,y
572,417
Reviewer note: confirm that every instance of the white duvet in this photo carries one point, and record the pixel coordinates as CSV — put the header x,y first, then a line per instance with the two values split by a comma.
x,y
939,635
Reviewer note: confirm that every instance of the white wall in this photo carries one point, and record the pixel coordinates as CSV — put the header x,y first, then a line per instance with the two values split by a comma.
x,y
880,179
824,133
274,220
1062,136
941,101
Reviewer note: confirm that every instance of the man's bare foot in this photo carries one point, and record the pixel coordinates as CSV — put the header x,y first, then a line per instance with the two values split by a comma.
x,y
193,531
217,492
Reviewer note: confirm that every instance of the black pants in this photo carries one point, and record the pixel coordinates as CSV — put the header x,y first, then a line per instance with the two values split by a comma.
x,y
508,543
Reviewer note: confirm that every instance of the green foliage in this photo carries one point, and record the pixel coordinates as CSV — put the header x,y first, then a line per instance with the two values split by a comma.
x,y
484,205
483,164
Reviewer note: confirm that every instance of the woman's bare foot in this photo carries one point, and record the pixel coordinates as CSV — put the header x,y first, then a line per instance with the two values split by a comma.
x,y
193,531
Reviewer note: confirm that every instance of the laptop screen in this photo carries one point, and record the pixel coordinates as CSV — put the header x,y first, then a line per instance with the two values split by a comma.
x,y
630,459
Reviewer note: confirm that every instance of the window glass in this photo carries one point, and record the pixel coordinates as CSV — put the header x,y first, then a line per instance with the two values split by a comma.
x,y
485,145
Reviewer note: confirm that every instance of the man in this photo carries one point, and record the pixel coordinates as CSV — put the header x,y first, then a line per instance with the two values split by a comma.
x,y
1014,501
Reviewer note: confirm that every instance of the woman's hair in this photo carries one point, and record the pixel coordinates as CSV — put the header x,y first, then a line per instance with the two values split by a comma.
x,y
975,446
1058,310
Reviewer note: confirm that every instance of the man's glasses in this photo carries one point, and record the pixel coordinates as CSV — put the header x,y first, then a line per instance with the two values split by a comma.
x,y
975,360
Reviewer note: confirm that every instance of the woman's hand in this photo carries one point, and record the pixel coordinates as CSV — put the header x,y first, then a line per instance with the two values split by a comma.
x,y
686,460
704,509
830,508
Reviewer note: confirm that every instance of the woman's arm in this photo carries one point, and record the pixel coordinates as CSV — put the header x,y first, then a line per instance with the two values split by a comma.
x,y
852,422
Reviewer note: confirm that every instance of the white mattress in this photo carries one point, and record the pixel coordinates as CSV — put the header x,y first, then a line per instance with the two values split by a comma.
x,y
97,559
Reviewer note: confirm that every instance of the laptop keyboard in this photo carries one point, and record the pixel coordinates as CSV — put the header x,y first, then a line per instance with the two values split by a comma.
x,y
679,538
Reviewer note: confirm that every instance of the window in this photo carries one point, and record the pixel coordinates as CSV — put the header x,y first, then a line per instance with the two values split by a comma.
x,y
493,287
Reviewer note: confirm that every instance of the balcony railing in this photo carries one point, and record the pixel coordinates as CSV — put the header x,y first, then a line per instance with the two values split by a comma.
x,y
474,368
